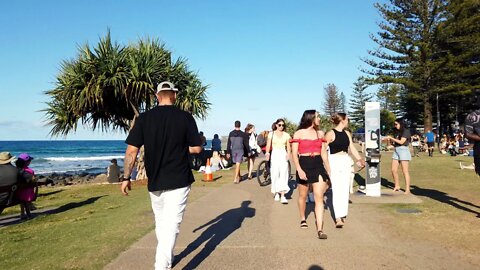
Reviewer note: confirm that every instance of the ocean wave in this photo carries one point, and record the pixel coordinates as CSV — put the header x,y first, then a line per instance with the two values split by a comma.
x,y
60,159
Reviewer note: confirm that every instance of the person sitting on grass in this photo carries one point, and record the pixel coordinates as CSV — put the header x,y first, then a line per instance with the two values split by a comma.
x,y
113,172
216,161
8,176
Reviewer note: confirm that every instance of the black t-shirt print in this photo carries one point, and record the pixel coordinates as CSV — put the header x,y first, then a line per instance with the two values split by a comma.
x,y
166,133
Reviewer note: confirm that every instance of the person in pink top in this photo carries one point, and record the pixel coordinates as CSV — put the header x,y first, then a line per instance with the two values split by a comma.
x,y
311,161
25,194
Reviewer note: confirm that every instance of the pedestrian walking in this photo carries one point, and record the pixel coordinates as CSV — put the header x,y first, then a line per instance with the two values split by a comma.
x,y
311,161
237,146
168,135
401,155
253,148
472,132
430,138
340,143
278,152
416,144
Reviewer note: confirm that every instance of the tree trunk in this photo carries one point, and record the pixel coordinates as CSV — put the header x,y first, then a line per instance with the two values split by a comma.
x,y
141,172
427,113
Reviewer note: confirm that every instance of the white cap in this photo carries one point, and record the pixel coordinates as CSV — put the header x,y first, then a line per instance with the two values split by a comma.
x,y
166,86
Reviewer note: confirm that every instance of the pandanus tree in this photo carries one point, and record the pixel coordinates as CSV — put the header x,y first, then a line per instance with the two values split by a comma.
x,y
107,86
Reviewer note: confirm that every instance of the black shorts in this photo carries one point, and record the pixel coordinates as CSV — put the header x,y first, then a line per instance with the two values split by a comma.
x,y
313,167
431,144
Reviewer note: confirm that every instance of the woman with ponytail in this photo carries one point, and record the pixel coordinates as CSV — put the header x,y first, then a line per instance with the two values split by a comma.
x,y
340,142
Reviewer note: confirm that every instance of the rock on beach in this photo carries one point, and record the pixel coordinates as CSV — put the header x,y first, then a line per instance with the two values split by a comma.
x,y
63,179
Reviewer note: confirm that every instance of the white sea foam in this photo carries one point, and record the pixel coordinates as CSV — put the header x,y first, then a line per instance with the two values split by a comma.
x,y
60,159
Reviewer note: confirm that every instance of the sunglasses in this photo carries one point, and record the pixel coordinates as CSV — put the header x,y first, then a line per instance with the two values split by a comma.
x,y
280,125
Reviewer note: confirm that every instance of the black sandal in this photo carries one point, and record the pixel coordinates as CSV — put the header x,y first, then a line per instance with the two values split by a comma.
x,y
303,224
321,235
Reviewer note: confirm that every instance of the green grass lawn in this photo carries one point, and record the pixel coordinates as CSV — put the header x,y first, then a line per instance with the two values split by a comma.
x,y
89,225
451,202
86,228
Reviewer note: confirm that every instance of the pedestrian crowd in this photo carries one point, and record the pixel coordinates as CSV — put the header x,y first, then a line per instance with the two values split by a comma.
x,y
323,161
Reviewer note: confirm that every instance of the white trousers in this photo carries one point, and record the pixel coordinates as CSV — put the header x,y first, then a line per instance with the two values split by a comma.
x,y
168,208
340,175
279,171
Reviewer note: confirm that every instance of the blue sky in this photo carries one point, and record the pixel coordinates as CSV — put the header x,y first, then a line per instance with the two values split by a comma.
x,y
262,59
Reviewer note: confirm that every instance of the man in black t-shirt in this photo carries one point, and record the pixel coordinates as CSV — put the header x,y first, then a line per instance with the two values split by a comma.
x,y
168,135
236,145
472,132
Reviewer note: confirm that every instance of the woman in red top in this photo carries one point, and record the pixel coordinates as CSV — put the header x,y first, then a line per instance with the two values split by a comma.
x,y
311,161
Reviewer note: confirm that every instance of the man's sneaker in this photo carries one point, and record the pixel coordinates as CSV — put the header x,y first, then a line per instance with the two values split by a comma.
x,y
277,197
283,200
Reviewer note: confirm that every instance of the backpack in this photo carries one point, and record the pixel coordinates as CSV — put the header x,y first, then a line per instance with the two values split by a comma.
x,y
261,141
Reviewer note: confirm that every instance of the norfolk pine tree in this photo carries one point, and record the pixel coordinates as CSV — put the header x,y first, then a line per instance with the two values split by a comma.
x,y
332,99
408,52
460,39
357,102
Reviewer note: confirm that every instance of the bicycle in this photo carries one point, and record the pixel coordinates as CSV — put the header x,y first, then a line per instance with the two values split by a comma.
x,y
263,173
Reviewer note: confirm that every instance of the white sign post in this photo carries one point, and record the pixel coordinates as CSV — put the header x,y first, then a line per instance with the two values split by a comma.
x,y
372,149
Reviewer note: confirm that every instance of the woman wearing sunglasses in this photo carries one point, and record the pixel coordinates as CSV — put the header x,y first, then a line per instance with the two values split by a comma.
x,y
278,143
311,161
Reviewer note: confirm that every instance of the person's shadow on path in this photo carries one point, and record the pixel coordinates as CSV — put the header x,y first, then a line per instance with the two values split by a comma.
x,y
220,228
439,196
445,198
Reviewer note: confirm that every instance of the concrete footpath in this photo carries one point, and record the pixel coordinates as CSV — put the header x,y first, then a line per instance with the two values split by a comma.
x,y
242,227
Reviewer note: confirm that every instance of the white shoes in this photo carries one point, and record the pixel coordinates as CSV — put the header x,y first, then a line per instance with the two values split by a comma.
x,y
277,197
461,166
283,200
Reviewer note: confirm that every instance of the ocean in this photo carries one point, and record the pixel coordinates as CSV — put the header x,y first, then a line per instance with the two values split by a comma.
x,y
68,156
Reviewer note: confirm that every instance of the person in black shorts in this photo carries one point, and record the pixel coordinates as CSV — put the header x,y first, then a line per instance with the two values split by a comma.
x,y
472,132
311,161
237,146
168,135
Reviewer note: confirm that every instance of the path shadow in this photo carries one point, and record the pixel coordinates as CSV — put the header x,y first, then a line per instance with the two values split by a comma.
x,y
73,205
50,193
384,182
220,228
15,219
327,205
445,198
315,267
359,179
292,184
438,196
218,177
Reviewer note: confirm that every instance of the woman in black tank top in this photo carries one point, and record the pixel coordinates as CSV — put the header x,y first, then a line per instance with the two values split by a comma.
x,y
340,142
